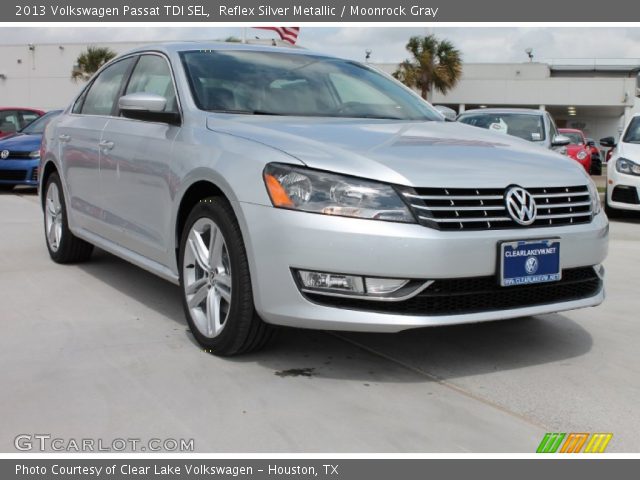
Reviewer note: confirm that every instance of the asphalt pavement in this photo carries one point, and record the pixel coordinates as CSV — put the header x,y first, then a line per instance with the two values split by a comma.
x,y
101,350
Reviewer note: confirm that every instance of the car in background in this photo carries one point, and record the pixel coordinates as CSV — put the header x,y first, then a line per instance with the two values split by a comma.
x,y
623,171
596,157
535,126
578,149
20,153
14,119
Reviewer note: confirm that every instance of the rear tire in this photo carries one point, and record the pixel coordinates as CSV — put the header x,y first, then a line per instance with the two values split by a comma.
x,y
63,246
216,284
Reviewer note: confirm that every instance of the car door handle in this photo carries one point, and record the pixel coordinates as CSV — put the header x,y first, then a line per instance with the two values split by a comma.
x,y
64,138
106,145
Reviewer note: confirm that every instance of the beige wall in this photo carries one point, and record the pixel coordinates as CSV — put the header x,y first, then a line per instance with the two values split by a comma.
x,y
41,78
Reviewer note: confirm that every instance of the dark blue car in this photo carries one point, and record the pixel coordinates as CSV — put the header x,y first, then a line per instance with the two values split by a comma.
x,y
20,153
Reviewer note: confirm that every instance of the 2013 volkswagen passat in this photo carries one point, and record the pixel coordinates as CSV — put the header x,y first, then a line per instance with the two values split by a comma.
x,y
283,187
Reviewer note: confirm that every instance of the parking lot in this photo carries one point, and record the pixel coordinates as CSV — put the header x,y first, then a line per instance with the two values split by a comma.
x,y
101,350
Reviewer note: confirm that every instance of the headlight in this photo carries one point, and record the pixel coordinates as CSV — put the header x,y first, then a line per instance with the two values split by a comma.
x,y
595,197
35,154
581,155
315,191
624,165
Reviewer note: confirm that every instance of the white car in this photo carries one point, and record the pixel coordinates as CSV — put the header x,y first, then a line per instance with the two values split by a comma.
x,y
623,171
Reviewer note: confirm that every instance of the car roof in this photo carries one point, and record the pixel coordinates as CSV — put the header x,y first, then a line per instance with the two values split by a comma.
x,y
175,47
571,130
525,111
29,109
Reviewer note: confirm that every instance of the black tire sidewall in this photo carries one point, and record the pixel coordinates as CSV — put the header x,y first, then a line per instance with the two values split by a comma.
x,y
242,311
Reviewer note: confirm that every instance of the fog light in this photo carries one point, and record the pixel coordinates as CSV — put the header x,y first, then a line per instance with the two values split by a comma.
x,y
331,281
380,286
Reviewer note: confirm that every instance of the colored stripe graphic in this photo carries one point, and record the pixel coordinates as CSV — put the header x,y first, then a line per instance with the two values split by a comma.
x,y
598,443
550,443
574,442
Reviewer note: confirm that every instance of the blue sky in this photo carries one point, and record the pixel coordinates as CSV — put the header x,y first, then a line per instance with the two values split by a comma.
x,y
478,44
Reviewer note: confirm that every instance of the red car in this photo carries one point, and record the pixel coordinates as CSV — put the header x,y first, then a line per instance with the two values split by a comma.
x,y
13,119
578,148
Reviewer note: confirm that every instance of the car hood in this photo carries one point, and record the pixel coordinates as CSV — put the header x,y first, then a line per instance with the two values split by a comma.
x,y
21,143
629,150
419,154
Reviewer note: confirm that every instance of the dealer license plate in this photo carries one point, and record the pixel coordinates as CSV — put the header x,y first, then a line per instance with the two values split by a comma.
x,y
525,262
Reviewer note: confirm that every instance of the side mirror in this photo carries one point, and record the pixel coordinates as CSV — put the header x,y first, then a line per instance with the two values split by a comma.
x,y
560,141
449,114
147,106
608,142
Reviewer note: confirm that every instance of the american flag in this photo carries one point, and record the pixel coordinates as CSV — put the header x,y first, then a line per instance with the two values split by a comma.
x,y
287,34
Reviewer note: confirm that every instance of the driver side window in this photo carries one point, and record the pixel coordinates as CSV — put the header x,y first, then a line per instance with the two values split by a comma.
x,y
152,75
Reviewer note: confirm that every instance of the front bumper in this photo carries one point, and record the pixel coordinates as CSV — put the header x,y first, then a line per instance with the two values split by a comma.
x,y
19,172
620,189
279,240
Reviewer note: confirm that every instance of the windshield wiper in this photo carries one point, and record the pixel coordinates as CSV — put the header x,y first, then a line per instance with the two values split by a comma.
x,y
246,112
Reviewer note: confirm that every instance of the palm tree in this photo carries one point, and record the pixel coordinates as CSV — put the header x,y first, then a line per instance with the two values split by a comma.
x,y
435,64
90,61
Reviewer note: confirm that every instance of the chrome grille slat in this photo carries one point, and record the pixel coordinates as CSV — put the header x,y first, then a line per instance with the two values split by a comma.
x,y
563,215
484,208
454,197
467,219
560,195
461,209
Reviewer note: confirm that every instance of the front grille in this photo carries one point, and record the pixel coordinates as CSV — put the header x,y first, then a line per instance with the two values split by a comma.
x,y
13,174
477,294
625,194
484,208
19,155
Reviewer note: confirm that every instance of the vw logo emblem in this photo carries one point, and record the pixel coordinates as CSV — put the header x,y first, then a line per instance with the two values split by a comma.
x,y
4,154
520,205
531,265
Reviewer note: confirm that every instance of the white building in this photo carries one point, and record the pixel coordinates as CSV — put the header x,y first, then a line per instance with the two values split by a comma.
x,y
597,96
602,93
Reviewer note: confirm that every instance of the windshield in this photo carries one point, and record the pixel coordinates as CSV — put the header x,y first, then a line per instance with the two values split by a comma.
x,y
273,83
576,138
527,127
39,124
632,135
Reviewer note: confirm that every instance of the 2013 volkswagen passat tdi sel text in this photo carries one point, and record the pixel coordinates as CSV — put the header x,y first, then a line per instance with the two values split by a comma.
x,y
283,187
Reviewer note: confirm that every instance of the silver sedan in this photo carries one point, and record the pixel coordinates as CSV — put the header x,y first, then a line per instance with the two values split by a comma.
x,y
283,187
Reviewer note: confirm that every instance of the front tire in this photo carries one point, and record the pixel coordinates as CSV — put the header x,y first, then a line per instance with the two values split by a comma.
x,y
216,284
63,246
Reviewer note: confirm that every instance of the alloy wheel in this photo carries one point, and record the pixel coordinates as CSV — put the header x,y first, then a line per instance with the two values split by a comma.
x,y
207,277
53,217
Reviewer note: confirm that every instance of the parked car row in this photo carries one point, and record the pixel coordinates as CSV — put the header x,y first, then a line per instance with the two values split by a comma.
x,y
538,127
20,147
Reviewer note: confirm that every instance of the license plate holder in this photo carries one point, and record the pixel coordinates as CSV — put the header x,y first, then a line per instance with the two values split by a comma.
x,y
527,262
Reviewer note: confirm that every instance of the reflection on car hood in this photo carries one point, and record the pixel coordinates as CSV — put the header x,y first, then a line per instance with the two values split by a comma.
x,y
629,150
409,153
21,143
